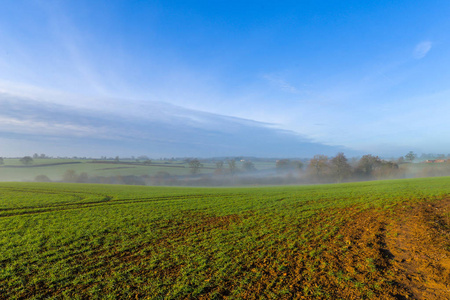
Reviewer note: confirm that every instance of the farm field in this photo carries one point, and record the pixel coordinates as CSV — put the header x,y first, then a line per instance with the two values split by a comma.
x,y
367,240
14,170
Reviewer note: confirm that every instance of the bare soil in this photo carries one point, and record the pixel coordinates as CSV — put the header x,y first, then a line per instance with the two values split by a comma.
x,y
420,245
399,254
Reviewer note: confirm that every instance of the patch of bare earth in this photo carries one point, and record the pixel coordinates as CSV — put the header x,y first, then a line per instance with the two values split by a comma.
x,y
403,255
419,243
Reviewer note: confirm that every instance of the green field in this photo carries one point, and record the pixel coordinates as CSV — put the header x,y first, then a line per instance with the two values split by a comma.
x,y
14,170
78,241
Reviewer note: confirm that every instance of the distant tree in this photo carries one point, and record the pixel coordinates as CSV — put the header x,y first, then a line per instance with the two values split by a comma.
x,y
35,156
286,164
219,167
42,178
283,164
82,178
248,166
116,159
1,161
42,156
411,156
162,175
318,165
354,161
400,160
232,166
367,164
387,169
298,164
195,166
340,167
70,176
26,160
147,162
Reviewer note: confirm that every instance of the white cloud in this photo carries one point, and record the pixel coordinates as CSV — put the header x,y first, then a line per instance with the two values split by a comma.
x,y
422,49
167,129
17,126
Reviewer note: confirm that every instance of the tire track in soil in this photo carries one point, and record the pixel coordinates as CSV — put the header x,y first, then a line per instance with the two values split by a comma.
x,y
419,243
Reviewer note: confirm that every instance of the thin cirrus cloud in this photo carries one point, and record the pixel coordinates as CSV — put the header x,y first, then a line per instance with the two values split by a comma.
x,y
422,49
281,84
162,129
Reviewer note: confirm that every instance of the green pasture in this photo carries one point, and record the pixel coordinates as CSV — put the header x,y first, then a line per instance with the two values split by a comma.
x,y
79,241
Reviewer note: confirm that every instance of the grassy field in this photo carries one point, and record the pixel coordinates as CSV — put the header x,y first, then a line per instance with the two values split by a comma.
x,y
14,170
78,241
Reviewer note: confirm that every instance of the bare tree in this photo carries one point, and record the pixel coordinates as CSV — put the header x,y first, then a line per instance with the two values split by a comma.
x,y
318,165
219,167
232,166
340,167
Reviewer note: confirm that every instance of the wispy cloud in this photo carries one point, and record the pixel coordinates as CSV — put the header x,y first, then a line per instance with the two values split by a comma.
x,y
422,49
168,130
281,84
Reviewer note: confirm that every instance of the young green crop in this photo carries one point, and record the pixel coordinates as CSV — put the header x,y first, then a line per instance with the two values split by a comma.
x,y
92,241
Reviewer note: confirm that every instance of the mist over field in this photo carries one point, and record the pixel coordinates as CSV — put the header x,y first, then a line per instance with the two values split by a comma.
x,y
225,171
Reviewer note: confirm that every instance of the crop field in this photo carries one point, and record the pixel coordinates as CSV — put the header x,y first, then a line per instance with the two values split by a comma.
x,y
368,240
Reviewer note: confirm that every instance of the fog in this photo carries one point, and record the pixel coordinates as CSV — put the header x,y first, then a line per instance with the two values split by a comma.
x,y
320,169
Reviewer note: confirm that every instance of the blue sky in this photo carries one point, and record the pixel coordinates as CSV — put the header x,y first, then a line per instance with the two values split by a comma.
x,y
207,78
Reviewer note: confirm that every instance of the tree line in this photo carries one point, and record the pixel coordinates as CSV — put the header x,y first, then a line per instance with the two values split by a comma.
x,y
318,169
340,169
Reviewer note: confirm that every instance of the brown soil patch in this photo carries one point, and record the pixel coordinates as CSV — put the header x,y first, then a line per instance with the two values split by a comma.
x,y
403,254
361,260
420,244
